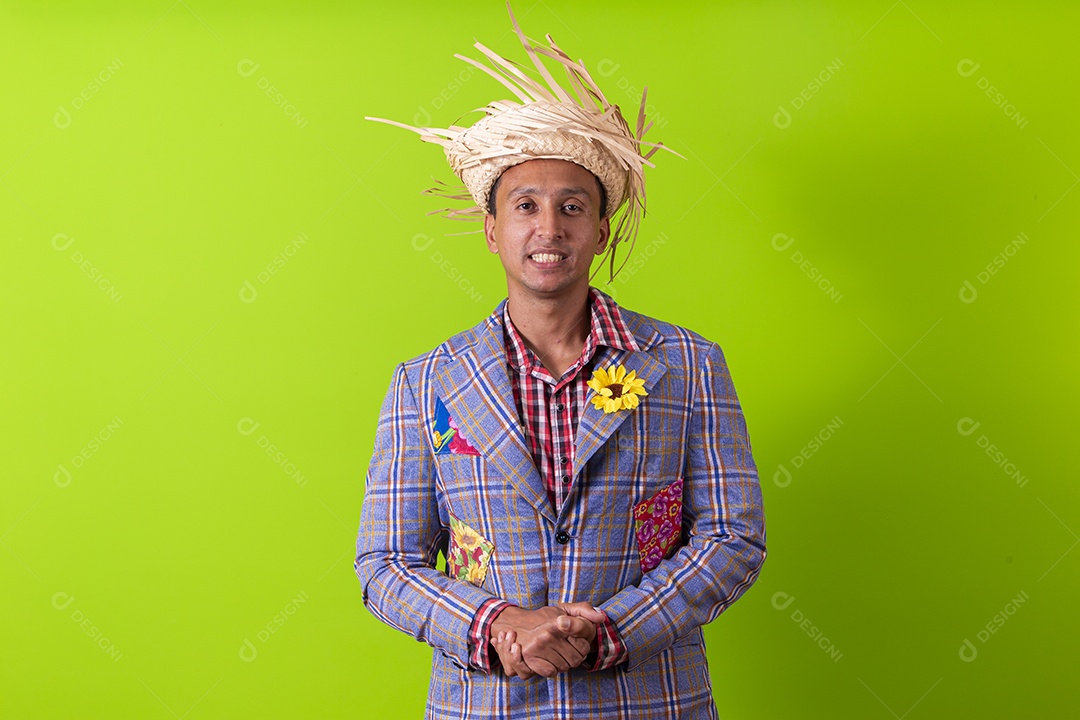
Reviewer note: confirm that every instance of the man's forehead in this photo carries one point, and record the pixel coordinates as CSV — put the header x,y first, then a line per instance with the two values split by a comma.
x,y
549,176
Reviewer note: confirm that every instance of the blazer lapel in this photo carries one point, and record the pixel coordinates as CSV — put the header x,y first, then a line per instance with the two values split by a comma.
x,y
595,427
475,387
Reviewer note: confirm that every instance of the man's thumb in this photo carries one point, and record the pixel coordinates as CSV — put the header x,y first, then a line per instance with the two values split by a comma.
x,y
585,610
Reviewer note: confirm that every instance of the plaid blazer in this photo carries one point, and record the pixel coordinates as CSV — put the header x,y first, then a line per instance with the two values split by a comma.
x,y
663,527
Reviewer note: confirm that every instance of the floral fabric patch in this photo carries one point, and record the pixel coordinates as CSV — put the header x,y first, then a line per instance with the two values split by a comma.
x,y
469,553
446,435
658,525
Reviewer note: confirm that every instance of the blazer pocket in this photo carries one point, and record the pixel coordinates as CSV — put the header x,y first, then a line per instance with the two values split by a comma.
x,y
658,525
469,553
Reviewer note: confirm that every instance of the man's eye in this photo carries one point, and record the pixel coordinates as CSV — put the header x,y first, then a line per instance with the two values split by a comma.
x,y
525,205
572,208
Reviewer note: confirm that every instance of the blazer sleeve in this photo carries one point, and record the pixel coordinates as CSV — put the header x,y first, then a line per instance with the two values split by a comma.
x,y
400,534
726,544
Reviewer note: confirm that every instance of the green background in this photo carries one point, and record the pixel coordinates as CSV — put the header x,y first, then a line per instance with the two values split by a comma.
x,y
205,289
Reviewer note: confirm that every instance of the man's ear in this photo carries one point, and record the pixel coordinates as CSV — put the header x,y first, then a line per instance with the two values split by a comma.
x,y
605,235
489,232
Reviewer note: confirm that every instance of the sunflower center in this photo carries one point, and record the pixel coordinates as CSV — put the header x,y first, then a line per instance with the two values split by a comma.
x,y
616,389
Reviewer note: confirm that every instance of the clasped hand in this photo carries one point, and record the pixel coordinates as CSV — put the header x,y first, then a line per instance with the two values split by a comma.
x,y
546,641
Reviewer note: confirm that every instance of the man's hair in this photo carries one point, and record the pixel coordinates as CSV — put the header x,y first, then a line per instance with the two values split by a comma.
x,y
495,190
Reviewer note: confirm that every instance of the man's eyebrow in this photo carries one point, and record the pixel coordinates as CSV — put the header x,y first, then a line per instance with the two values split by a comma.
x,y
536,191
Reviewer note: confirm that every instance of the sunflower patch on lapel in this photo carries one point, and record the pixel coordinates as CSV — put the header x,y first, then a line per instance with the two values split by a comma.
x,y
446,435
658,525
469,554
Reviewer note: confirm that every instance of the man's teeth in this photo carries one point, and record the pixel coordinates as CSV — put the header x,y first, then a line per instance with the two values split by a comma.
x,y
546,257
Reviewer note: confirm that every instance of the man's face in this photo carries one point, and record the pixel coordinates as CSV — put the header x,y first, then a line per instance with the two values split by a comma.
x,y
548,226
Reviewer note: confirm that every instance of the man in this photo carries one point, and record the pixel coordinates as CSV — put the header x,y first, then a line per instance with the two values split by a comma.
x,y
586,470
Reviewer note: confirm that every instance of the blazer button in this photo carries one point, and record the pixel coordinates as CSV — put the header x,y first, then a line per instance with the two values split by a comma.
x,y
561,537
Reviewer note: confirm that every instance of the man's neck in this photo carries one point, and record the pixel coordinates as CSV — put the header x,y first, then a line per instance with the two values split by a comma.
x,y
555,329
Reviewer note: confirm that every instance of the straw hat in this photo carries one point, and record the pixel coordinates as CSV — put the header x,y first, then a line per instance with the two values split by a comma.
x,y
576,124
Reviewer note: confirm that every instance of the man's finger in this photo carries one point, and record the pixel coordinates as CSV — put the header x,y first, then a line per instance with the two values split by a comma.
x,y
550,646
517,662
506,661
582,645
560,652
501,643
576,627
541,666
521,670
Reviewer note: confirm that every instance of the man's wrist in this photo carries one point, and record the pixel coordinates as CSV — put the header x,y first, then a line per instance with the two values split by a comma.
x,y
481,654
489,629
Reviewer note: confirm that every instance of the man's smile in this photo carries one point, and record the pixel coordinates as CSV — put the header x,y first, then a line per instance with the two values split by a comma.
x,y
547,259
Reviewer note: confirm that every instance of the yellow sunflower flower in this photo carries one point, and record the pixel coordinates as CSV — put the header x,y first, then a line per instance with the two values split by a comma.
x,y
475,574
466,538
616,389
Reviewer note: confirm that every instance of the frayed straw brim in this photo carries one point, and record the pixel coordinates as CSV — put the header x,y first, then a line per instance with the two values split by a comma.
x,y
578,125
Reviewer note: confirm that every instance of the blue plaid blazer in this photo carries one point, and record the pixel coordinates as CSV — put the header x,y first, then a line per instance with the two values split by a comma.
x,y
689,427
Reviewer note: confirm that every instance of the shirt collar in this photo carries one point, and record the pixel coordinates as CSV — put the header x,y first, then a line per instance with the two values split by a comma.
x,y
606,329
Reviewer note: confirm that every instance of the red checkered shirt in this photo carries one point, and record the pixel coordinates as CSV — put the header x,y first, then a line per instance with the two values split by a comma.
x,y
549,409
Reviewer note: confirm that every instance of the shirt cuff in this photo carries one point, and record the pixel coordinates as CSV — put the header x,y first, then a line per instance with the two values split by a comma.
x,y
480,635
610,649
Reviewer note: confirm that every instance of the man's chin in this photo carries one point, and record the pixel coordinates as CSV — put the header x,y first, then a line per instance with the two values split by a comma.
x,y
553,287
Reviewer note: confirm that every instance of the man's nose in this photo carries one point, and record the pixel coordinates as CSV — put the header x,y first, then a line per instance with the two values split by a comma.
x,y
550,222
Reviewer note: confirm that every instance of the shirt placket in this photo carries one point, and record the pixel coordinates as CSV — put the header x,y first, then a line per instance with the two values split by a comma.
x,y
559,414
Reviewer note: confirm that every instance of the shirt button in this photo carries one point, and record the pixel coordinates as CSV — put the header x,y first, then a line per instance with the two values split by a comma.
x,y
559,406
561,537
563,460
566,479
